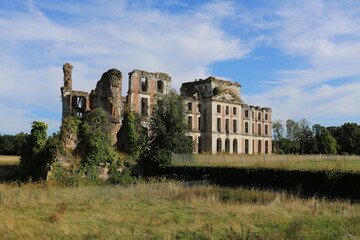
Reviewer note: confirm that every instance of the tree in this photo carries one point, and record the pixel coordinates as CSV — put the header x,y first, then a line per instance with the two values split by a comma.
x,y
305,137
32,158
168,129
95,138
135,136
292,134
348,137
326,143
278,130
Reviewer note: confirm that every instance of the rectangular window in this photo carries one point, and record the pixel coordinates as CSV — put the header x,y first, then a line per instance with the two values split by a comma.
x,y
246,145
227,126
234,110
160,86
246,127
199,123
259,146
219,124
259,116
246,113
259,129
253,128
266,146
227,110
266,116
235,126
189,106
199,107
190,122
218,109
144,107
199,145
266,129
144,84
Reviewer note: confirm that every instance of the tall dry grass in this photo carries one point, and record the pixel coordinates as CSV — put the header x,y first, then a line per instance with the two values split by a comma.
x,y
9,160
308,162
169,211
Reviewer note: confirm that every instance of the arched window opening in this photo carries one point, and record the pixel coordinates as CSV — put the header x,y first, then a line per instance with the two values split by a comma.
x,y
227,145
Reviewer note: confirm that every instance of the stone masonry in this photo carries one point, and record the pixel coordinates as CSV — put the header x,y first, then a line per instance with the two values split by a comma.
x,y
220,120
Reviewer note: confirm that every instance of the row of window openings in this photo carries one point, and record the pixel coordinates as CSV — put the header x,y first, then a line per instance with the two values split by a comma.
x,y
235,145
246,113
235,127
247,146
144,85
190,122
227,110
259,128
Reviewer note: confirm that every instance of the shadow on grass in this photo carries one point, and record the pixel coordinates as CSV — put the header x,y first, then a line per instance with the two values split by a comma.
x,y
9,173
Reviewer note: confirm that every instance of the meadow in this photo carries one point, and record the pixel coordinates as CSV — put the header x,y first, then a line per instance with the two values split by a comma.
x,y
299,162
9,160
168,210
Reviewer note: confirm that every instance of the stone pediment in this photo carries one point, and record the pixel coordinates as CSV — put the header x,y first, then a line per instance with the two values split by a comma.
x,y
228,96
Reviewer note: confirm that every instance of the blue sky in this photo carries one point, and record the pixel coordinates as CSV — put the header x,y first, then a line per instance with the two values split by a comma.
x,y
301,58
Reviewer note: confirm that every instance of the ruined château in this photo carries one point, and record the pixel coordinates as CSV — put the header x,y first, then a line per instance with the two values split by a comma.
x,y
219,118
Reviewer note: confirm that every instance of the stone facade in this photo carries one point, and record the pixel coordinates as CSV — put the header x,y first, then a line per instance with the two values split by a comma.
x,y
143,89
222,122
219,118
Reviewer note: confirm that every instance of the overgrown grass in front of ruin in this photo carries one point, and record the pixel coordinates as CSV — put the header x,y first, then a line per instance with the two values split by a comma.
x,y
298,162
169,211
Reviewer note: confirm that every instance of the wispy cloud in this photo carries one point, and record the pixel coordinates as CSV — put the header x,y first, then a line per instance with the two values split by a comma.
x,y
97,35
326,35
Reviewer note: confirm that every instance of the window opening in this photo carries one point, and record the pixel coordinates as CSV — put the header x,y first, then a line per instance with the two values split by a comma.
x,y
144,107
227,145
160,86
235,146
144,84
218,145
246,145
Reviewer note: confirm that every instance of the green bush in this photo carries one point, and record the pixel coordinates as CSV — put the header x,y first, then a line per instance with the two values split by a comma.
x,y
328,183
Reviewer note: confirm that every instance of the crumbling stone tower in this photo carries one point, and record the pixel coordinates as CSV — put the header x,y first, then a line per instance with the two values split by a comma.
x,y
106,95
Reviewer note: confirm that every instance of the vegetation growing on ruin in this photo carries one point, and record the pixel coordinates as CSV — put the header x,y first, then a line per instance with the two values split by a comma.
x,y
168,130
95,139
135,135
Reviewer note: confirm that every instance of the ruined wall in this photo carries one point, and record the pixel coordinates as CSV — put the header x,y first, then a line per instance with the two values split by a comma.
x,y
107,95
143,89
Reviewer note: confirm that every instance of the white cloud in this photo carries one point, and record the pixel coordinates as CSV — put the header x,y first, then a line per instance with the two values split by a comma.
x,y
327,35
98,36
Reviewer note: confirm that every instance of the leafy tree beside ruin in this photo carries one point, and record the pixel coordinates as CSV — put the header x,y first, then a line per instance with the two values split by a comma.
x,y
32,157
95,139
134,135
168,129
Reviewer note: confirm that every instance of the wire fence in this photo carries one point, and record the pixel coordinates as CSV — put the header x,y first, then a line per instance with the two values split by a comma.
x,y
325,162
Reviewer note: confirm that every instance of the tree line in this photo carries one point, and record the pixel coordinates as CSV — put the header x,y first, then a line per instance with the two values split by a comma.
x,y
293,137
12,144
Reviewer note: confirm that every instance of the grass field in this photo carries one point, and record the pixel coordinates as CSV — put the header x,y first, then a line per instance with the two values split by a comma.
x,y
306,162
169,211
9,160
